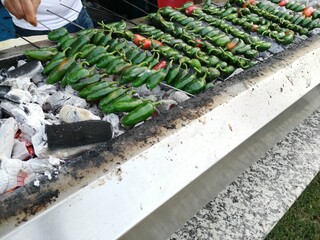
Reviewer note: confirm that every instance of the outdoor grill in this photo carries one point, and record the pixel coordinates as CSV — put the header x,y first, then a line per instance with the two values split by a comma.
x,y
146,182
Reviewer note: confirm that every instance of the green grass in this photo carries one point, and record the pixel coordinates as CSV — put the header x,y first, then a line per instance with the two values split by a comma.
x,y
302,221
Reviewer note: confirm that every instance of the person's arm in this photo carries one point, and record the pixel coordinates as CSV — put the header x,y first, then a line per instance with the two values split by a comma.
x,y
23,9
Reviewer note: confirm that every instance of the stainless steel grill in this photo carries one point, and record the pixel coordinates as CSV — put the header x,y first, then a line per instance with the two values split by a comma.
x,y
148,181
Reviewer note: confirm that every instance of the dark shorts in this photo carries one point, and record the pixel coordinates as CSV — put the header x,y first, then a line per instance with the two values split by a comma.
x,y
83,20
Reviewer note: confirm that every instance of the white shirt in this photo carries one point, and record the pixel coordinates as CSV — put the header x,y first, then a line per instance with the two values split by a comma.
x,y
50,20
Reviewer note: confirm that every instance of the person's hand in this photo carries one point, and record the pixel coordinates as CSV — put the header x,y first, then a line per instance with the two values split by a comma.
x,y
23,9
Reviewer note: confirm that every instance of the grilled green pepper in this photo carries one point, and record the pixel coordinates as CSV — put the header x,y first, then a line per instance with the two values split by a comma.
x,y
86,81
95,87
139,114
128,105
56,34
142,78
111,96
77,45
59,71
41,54
101,93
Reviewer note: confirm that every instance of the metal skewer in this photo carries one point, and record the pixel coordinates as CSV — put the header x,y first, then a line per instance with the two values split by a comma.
x,y
177,89
75,10
44,26
18,35
77,25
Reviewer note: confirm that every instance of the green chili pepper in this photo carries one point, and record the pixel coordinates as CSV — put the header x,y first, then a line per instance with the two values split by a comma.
x,y
98,36
111,96
182,83
194,63
141,113
41,54
139,58
77,45
86,49
262,46
101,93
111,65
142,78
158,76
79,74
74,67
119,67
55,35
67,43
95,87
128,105
129,74
105,40
212,73
172,74
55,61
196,85
52,64
65,38
86,81
94,56
110,107
59,71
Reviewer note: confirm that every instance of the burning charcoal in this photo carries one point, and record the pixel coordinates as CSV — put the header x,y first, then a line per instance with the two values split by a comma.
x,y
20,151
115,122
71,114
39,143
7,133
19,83
20,63
18,96
166,105
3,74
13,172
60,99
30,120
29,70
6,108
178,96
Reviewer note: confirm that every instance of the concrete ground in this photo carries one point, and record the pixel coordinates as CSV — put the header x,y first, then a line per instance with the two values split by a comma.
x,y
252,205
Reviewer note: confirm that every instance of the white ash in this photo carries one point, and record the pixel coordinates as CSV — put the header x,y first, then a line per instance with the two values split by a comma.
x,y
7,133
70,90
48,174
18,95
60,99
21,62
36,183
31,122
22,83
20,150
166,105
71,114
115,122
178,96
11,68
